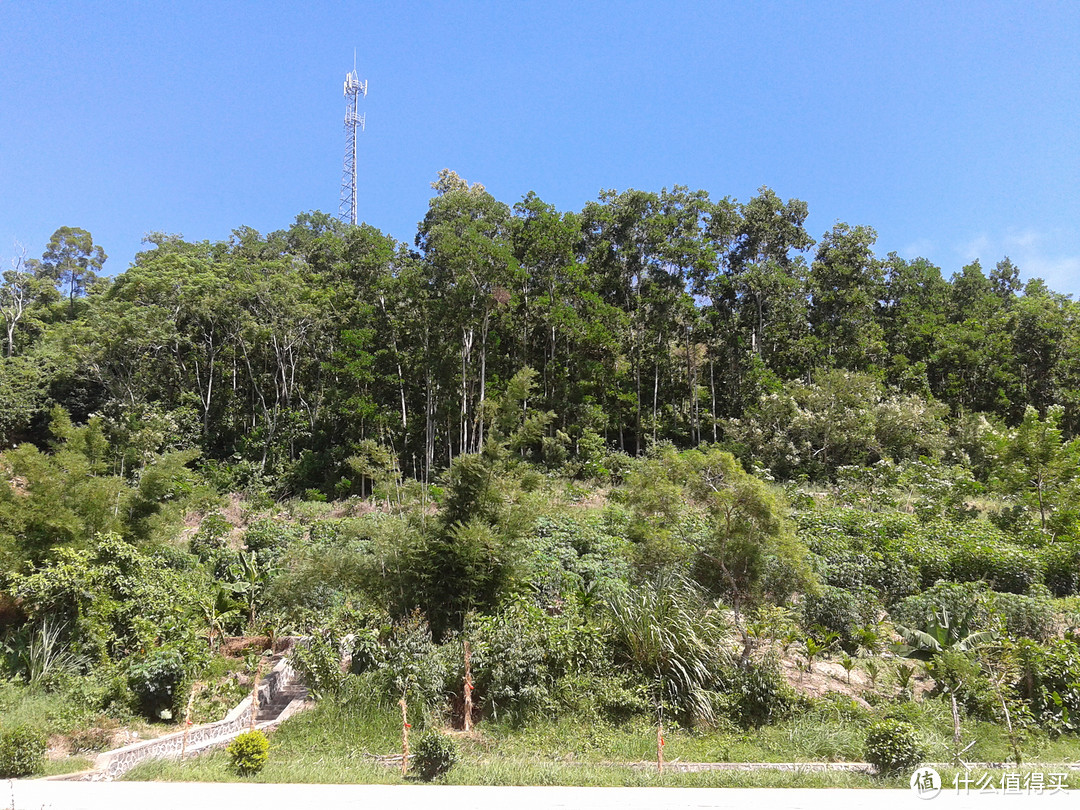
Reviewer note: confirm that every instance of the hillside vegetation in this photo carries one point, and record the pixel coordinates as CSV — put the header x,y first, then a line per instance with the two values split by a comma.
x,y
667,466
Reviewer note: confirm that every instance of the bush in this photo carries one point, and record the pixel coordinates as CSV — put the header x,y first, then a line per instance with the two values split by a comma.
x,y
521,652
212,535
22,751
616,697
248,752
435,755
1006,567
318,660
155,682
1062,563
267,534
860,549
760,694
410,663
969,599
840,611
1049,682
893,746
1030,616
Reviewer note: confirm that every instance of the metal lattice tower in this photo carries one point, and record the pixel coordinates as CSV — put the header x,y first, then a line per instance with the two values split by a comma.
x,y
354,88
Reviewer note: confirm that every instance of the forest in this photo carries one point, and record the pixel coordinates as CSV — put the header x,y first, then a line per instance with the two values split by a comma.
x,y
666,460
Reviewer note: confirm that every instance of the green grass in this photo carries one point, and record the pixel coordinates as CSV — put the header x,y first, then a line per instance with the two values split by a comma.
x,y
337,741
315,769
55,767
50,712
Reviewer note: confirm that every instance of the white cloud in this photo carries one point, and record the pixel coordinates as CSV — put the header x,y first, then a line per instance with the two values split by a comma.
x,y
1062,273
1026,239
975,248
1030,250
920,248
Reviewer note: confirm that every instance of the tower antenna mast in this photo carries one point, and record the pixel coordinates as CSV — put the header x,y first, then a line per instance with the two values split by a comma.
x,y
354,88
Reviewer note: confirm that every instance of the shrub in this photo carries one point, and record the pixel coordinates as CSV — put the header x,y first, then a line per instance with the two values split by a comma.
x,y
1030,616
155,682
212,535
435,755
248,752
760,694
861,549
22,751
893,746
522,651
616,697
1049,681
959,673
411,664
267,534
318,660
1005,566
1062,563
839,611
954,598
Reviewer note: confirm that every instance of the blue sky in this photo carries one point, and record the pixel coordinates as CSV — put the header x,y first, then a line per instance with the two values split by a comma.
x,y
951,128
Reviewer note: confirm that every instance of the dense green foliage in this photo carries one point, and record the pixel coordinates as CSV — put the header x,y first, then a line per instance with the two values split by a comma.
x,y
435,755
893,746
22,751
248,752
644,459
329,358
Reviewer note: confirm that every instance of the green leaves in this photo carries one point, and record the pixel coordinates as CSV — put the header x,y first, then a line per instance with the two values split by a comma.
x,y
665,631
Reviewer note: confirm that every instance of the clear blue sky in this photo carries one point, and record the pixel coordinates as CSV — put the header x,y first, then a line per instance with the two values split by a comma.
x,y
951,128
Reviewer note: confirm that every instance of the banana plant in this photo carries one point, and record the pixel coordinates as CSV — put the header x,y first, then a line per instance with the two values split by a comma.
x,y
944,633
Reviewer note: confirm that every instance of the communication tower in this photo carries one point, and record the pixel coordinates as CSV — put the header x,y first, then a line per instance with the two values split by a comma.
x,y
354,88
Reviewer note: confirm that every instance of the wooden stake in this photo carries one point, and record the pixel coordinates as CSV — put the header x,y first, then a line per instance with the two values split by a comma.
x,y
404,735
187,719
255,695
468,688
660,746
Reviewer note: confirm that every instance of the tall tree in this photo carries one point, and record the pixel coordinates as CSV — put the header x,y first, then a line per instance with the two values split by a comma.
x,y
466,247
72,258
846,283
19,290
912,315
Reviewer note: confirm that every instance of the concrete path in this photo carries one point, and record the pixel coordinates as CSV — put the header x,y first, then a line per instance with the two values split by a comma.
x,y
38,795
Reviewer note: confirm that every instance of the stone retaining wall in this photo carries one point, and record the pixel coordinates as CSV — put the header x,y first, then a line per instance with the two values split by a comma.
x,y
111,764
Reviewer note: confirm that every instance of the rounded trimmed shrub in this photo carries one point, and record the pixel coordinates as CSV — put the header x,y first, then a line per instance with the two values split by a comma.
x,y
893,746
248,752
22,751
435,755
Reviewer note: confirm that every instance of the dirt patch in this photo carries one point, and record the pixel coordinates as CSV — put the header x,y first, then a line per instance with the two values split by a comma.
x,y
234,510
237,646
827,677
831,677
11,612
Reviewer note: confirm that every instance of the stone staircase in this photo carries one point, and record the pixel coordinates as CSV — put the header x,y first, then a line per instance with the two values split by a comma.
x,y
281,694
273,708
